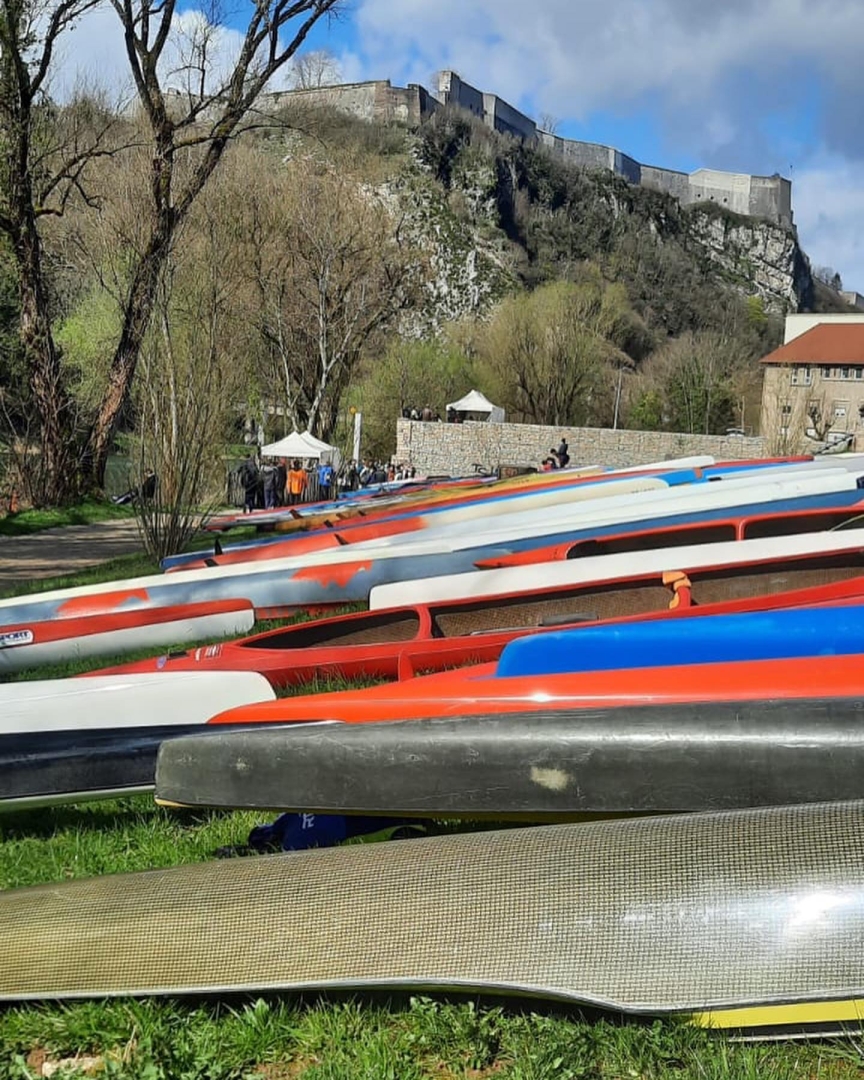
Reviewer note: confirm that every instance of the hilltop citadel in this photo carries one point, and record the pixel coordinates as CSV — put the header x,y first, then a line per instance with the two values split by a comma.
x,y
766,197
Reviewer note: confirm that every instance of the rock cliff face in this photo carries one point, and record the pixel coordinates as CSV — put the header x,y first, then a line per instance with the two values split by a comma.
x,y
491,215
754,257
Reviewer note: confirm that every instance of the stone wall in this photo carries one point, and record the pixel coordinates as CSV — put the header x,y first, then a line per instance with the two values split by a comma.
x,y
502,117
454,449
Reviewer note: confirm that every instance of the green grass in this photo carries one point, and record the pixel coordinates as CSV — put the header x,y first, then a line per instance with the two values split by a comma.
x,y
85,513
120,569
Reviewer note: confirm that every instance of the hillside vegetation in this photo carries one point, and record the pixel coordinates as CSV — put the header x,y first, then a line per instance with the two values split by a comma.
x,y
332,263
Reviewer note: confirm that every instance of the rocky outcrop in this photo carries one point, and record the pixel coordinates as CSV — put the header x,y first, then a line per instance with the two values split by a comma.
x,y
755,257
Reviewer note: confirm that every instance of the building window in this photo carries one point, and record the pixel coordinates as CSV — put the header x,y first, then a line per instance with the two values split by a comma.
x,y
859,373
784,431
802,376
786,410
845,373
840,410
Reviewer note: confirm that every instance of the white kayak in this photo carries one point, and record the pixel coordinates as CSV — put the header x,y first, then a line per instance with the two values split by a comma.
x,y
536,576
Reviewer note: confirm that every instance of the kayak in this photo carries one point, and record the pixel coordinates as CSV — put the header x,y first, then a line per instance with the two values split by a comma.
x,y
35,644
719,639
539,765
478,690
63,740
749,920
398,642
819,548
709,528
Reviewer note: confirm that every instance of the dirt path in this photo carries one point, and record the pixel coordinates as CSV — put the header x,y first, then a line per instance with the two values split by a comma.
x,y
64,551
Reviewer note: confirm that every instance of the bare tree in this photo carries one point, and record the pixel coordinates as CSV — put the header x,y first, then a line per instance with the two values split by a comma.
x,y
186,401
187,134
216,108
312,70
333,271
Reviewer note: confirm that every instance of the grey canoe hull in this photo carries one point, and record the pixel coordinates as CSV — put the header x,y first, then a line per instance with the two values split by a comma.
x,y
640,759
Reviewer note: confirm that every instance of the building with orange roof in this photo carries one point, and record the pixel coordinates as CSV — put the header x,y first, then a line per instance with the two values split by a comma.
x,y
813,388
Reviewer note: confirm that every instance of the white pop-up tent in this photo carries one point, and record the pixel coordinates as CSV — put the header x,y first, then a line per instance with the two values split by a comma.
x,y
302,445
476,406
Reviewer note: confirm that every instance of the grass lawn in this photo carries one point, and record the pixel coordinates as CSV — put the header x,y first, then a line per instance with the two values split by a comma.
x,y
86,513
285,1038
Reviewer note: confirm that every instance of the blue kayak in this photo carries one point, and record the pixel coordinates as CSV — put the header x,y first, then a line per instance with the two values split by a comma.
x,y
715,639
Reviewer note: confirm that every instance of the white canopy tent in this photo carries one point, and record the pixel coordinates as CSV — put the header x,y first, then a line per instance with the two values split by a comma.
x,y
302,445
476,406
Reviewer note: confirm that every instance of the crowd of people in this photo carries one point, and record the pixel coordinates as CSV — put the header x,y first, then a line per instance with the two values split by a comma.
x,y
272,483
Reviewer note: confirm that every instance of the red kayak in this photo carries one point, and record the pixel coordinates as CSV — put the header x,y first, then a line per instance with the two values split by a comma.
x,y
476,691
398,642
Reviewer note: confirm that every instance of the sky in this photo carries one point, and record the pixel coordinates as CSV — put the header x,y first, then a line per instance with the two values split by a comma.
x,y
751,86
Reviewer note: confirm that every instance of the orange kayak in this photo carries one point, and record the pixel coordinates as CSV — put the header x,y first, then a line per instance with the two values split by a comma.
x,y
477,690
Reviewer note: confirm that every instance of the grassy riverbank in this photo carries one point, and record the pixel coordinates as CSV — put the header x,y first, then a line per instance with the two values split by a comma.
x,y
90,512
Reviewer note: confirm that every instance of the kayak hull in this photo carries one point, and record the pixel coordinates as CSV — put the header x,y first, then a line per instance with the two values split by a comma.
x,y
69,739
402,641
475,691
746,919
537,765
58,641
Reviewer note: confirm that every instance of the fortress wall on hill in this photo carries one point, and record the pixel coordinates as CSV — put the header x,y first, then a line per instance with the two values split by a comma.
x,y
509,121
669,180
436,448
767,197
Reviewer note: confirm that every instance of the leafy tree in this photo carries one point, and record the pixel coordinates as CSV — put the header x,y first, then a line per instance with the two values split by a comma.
x,y
553,353
699,376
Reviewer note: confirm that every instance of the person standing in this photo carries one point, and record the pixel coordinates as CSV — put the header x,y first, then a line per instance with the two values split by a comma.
x,y
563,454
296,483
269,486
325,480
249,480
281,480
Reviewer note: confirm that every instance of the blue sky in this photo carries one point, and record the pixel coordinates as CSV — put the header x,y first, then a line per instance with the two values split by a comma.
x,y
753,86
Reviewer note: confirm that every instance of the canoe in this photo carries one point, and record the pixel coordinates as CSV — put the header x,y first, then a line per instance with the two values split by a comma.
x,y
542,765
398,642
707,529
35,644
748,920
478,690
64,740
521,579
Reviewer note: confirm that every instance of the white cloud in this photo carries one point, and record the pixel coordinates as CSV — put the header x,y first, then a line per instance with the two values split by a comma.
x,y
829,211
576,56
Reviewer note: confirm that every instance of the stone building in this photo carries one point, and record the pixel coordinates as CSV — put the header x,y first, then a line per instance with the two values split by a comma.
x,y
813,389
